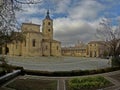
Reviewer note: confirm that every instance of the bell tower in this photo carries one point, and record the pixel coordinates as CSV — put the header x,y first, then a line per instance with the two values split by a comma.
x,y
47,27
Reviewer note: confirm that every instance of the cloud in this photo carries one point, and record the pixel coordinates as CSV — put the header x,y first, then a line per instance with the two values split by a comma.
x,y
85,9
76,25
69,31
62,6
74,19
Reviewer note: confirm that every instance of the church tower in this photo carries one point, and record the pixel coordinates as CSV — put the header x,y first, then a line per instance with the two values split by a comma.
x,y
47,27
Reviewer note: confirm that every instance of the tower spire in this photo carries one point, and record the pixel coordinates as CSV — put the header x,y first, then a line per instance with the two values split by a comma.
x,y
47,16
48,12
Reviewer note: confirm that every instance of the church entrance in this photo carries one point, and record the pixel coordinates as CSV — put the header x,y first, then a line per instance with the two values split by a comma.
x,y
6,50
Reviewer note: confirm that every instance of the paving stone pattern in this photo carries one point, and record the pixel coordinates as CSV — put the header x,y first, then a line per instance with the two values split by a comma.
x,y
59,63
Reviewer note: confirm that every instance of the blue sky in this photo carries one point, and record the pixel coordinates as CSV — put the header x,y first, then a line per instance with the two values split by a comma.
x,y
73,19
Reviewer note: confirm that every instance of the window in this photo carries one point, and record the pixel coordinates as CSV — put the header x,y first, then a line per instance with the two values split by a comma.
x,y
90,53
48,23
95,44
49,30
33,43
25,43
95,53
57,47
43,23
16,44
46,47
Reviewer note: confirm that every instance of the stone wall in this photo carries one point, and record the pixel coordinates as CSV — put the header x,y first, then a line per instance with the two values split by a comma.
x,y
15,48
29,27
47,29
37,43
29,49
46,48
56,48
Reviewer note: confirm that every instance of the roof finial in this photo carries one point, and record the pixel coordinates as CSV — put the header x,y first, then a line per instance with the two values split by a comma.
x,y
47,16
48,12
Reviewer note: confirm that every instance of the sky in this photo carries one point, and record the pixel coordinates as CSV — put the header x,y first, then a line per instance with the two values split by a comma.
x,y
73,20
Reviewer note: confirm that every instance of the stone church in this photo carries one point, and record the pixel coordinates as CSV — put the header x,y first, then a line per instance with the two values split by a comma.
x,y
36,43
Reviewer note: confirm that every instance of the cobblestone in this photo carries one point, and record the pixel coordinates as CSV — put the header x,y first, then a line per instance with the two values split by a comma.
x,y
58,63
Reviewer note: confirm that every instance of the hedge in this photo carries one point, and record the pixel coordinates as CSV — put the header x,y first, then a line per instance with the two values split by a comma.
x,y
2,72
69,73
87,83
62,73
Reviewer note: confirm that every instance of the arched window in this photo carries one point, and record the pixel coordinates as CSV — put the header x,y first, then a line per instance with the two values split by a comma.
x,y
43,23
49,30
16,44
48,23
57,48
33,43
46,47
25,43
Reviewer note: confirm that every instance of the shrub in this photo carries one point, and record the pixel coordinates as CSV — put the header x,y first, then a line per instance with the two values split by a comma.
x,y
116,61
2,72
62,73
36,72
87,83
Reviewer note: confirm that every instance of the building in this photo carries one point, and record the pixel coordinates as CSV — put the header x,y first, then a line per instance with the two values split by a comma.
x,y
92,49
96,49
36,43
77,50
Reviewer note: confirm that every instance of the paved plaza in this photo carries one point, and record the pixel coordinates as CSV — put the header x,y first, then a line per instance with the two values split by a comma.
x,y
58,63
113,77
64,64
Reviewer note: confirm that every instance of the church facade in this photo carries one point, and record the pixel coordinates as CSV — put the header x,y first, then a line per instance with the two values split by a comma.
x,y
92,49
36,43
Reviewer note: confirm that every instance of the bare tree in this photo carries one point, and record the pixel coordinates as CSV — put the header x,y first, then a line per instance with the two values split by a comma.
x,y
8,21
111,35
9,28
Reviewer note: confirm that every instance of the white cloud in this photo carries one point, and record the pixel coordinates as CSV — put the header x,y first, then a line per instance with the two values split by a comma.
x,y
85,9
69,31
81,21
62,6
32,9
76,27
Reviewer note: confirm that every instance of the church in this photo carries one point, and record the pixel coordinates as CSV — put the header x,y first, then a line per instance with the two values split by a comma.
x,y
36,43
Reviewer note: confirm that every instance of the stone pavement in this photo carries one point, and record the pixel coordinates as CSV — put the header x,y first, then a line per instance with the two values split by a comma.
x,y
113,77
65,63
61,84
59,63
